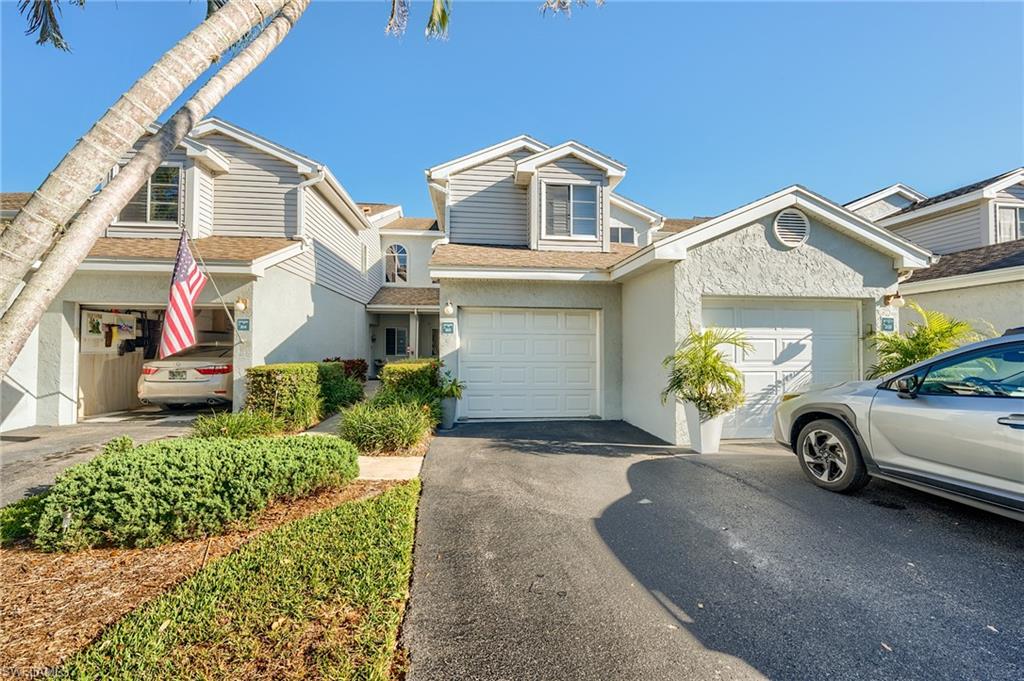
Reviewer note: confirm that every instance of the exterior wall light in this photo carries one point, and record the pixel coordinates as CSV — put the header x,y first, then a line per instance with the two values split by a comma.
x,y
894,300
241,304
449,309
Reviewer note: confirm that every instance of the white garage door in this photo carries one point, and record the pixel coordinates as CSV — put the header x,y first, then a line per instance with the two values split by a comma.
x,y
794,343
528,363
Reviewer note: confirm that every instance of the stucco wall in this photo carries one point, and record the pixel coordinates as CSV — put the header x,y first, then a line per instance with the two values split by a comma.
x,y
596,296
419,252
749,262
648,336
19,390
295,320
991,308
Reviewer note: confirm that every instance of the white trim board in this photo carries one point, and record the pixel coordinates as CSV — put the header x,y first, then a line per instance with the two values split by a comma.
x,y
1000,276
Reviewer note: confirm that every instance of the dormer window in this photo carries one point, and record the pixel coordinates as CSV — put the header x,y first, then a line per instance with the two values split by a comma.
x,y
570,211
396,265
157,201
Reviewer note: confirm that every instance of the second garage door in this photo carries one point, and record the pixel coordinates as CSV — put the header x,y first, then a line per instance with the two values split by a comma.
x,y
529,363
794,343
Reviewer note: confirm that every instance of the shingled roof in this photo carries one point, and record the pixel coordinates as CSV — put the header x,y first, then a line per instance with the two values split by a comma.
x,y
408,296
466,255
14,200
676,225
420,224
952,193
971,261
211,248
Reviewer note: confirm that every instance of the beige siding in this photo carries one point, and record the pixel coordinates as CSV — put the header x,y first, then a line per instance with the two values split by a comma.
x,y
947,233
205,198
335,259
619,217
487,207
177,156
258,197
572,171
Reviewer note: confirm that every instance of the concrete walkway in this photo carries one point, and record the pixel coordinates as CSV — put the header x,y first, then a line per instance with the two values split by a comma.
x,y
389,467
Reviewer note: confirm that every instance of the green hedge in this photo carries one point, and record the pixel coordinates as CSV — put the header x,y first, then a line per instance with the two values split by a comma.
x,y
300,392
412,376
374,427
238,425
175,489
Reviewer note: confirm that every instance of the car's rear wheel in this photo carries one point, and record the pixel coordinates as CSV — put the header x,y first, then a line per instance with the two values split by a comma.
x,y
830,457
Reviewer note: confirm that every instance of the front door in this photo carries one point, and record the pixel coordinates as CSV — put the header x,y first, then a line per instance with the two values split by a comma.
x,y
966,422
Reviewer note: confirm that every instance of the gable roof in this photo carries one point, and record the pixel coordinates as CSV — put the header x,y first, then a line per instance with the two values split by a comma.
x,y
373,209
906,254
526,167
407,224
676,225
442,171
968,193
898,189
327,184
974,260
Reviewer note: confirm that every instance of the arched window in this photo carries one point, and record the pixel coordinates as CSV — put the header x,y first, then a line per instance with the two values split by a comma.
x,y
396,264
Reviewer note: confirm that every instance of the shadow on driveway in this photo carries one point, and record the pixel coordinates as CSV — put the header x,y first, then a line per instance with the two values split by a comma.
x,y
800,583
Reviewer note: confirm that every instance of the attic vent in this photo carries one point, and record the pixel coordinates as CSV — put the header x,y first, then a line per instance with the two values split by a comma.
x,y
791,227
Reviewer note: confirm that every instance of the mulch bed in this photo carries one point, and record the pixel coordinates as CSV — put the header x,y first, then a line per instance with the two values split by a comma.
x,y
54,604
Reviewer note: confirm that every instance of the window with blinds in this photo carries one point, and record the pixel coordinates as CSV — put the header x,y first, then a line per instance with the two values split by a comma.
x,y
158,201
570,211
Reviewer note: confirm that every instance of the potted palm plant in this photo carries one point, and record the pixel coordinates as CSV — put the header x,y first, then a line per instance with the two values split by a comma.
x,y
451,392
706,383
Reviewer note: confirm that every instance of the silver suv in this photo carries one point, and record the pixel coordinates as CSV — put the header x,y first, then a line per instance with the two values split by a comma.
x,y
952,425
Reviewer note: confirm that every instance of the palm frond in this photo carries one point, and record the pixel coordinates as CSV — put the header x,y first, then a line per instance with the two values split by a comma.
x,y
565,6
700,373
43,17
437,23
934,334
398,20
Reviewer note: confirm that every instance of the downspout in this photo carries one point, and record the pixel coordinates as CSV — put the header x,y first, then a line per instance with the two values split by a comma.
x,y
300,212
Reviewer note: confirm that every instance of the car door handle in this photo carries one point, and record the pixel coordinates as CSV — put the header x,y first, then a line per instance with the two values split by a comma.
x,y
1013,420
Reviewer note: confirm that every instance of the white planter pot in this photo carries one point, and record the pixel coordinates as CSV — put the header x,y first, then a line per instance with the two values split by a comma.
x,y
706,436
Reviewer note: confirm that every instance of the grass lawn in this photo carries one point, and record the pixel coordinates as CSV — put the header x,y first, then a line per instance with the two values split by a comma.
x,y
320,597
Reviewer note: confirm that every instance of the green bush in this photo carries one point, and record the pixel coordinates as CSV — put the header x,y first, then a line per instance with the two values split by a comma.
x,y
300,392
291,391
175,489
430,401
238,425
19,520
411,376
377,427
337,387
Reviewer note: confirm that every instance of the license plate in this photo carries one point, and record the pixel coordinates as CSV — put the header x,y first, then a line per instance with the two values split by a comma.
x,y
177,374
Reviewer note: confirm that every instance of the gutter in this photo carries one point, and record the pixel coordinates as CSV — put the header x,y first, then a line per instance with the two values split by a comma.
x,y
300,231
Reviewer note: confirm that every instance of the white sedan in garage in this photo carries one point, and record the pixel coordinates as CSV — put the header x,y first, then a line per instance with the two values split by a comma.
x,y
199,375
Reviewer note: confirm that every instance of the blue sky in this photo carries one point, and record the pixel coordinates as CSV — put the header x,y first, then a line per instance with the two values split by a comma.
x,y
709,105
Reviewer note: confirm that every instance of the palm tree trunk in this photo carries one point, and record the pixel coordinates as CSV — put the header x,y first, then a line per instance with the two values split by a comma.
x,y
68,186
72,248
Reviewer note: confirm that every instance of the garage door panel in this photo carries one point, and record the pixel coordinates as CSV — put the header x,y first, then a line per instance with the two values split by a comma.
x,y
529,363
795,343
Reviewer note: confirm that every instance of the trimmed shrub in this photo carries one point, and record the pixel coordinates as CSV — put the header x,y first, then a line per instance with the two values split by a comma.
x,y
412,376
176,489
300,392
291,391
354,368
430,401
337,388
19,520
376,427
238,425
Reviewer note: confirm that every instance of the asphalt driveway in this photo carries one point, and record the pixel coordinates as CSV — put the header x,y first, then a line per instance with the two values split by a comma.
x,y
588,550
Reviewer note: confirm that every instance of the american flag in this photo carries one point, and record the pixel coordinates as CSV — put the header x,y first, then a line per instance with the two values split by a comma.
x,y
179,331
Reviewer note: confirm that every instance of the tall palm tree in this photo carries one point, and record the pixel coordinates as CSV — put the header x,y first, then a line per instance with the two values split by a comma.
x,y
39,226
69,185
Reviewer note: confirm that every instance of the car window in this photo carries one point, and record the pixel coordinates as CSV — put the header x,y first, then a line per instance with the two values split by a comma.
x,y
993,372
205,351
